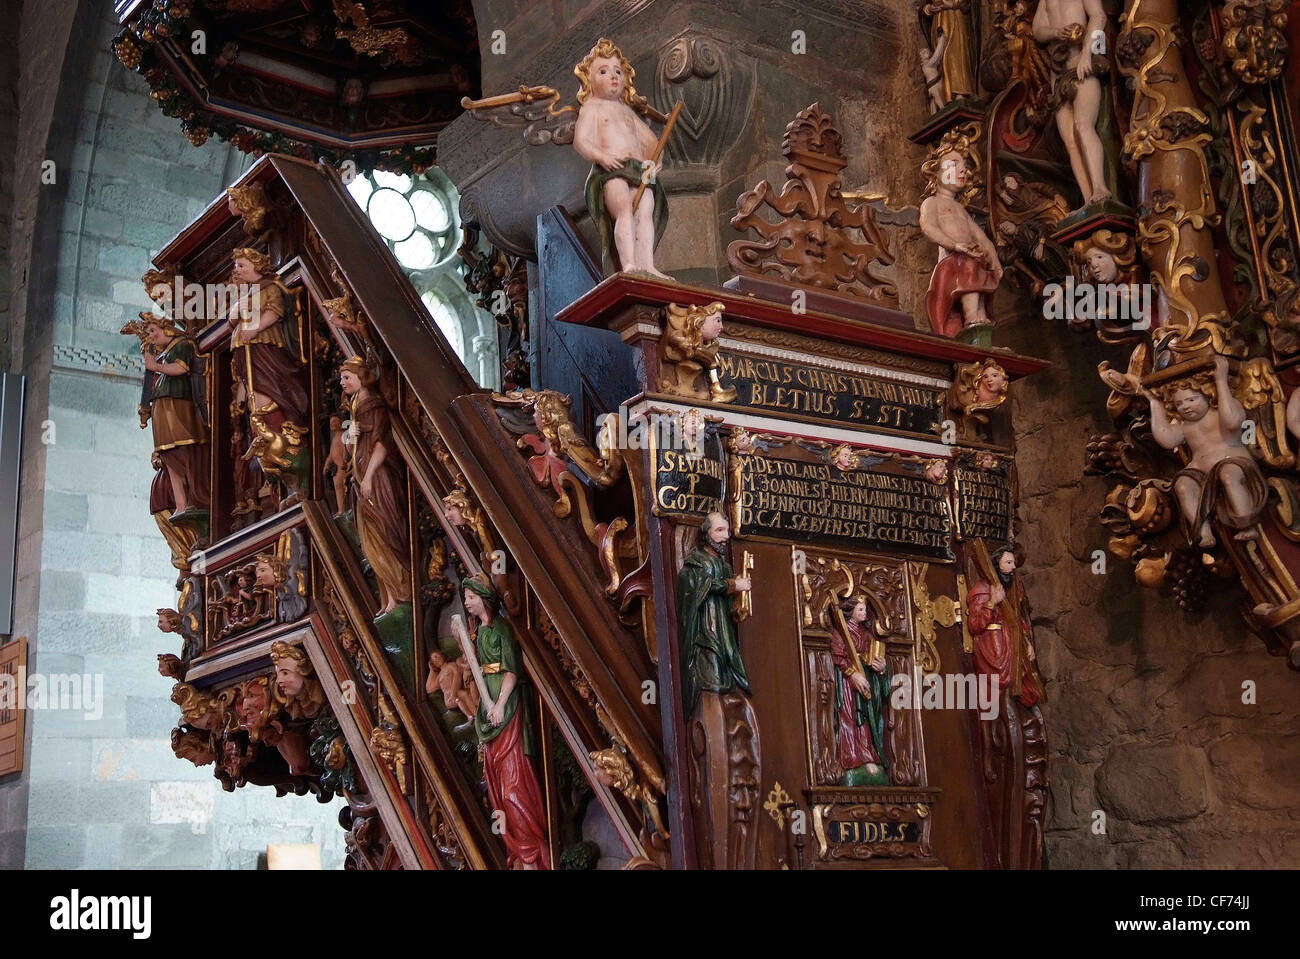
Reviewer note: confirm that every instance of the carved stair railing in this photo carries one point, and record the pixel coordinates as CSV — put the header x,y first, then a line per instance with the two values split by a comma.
x,y
565,580
413,798
450,799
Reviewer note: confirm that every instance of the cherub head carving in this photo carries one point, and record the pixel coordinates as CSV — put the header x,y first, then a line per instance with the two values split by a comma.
x,y
1188,398
696,326
954,165
460,511
161,286
1104,257
250,202
979,386
269,572
605,72
845,457
613,769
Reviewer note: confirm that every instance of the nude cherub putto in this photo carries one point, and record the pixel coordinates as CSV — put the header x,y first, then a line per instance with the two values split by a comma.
x,y
621,147
1221,479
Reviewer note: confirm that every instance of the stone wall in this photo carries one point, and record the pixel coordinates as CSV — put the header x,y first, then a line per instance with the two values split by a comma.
x,y
1145,711
107,791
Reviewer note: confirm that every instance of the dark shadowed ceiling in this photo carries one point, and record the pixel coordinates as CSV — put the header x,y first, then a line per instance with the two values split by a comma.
x,y
372,81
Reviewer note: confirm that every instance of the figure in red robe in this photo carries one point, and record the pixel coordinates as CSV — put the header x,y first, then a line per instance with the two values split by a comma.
x,y
1003,643
861,695
956,275
503,730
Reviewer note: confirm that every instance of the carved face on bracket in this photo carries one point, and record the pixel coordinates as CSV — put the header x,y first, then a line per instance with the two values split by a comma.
x,y
991,384
193,746
233,758
936,471
161,294
287,678
1102,265
354,91
607,78
1190,405
743,792
253,706
844,458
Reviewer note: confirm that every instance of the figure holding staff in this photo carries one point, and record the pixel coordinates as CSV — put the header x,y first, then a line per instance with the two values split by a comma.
x,y
496,661
861,693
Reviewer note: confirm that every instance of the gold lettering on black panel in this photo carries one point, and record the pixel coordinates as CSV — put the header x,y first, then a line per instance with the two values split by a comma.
x,y
687,481
881,508
797,390
984,498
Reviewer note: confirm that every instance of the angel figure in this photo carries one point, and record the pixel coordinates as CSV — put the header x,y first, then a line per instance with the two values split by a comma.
x,y
689,349
605,129
1221,479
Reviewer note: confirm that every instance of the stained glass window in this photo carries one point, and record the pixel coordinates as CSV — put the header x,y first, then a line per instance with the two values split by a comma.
x,y
416,216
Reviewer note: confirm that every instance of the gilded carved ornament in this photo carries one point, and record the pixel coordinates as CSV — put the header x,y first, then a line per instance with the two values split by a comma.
x,y
819,240
1254,38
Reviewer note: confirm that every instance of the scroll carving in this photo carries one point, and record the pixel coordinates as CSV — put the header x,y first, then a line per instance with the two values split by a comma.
x,y
820,240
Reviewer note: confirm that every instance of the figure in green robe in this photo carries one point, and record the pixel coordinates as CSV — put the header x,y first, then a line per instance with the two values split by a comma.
x,y
504,729
711,659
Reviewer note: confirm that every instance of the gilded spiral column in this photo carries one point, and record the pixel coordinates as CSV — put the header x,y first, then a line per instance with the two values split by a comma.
x,y
1166,143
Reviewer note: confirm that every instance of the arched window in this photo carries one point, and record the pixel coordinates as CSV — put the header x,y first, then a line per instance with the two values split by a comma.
x,y
416,216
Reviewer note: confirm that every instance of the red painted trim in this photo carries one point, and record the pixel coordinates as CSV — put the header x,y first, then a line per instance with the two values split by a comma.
x,y
621,290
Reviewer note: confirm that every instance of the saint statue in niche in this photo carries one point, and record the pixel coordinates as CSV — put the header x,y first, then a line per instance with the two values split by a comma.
x,y
998,618
504,733
267,369
861,694
381,514
180,436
